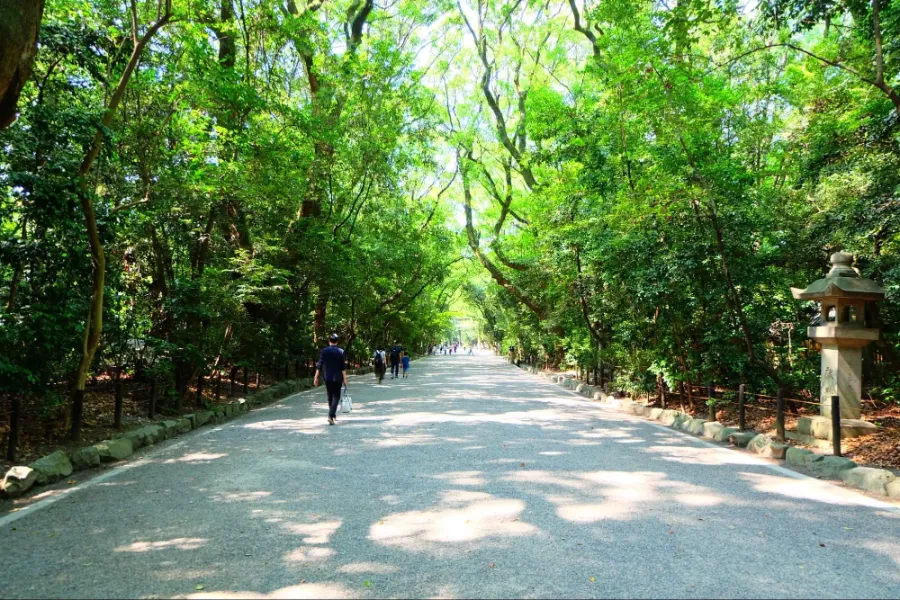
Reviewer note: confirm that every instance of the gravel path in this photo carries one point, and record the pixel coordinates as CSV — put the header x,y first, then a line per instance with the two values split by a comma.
x,y
469,479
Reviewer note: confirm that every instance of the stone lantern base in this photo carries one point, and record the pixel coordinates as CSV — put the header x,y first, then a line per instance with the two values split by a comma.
x,y
820,427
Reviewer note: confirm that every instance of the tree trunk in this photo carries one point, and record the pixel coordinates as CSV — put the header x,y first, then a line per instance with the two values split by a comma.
x,y
20,23
94,324
233,377
321,312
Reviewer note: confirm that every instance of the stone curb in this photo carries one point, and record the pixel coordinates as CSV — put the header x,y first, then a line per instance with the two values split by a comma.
x,y
877,481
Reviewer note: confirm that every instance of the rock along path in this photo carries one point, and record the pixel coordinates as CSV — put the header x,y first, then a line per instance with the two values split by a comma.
x,y
470,479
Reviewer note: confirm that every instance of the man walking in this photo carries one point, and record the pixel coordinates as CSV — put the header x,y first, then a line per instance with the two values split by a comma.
x,y
396,351
331,365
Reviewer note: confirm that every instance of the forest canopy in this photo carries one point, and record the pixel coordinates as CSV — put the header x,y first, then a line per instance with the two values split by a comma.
x,y
625,186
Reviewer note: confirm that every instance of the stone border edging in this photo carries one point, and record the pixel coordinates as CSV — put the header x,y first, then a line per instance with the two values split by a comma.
x,y
877,481
59,464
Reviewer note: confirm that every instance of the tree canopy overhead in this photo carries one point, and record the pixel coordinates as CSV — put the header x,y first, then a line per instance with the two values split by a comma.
x,y
192,187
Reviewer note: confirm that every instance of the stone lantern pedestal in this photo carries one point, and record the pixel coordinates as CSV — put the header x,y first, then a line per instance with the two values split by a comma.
x,y
843,296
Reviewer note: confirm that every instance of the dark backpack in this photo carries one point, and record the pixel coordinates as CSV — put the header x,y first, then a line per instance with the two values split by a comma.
x,y
379,359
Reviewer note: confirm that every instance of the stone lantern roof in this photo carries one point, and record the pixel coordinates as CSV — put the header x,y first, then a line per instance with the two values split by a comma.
x,y
842,281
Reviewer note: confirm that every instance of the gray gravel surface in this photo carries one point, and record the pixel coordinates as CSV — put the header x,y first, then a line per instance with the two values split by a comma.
x,y
469,479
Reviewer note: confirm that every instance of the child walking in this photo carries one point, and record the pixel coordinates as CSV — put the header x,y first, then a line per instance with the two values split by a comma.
x,y
405,365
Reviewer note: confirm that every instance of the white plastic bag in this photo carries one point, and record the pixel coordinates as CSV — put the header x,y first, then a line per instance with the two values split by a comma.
x,y
346,402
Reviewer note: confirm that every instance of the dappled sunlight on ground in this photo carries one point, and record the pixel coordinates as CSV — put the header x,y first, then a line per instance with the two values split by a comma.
x,y
197,457
316,533
308,426
467,516
177,543
807,489
309,554
702,455
240,496
367,568
302,591
174,574
462,478
469,480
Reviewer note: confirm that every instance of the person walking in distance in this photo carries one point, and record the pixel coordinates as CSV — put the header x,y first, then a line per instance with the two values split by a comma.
x,y
332,368
396,351
405,365
380,360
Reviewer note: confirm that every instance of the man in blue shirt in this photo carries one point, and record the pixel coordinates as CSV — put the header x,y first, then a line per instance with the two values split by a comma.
x,y
331,365
396,352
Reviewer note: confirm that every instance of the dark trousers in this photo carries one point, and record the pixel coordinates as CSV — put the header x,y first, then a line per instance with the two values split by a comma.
x,y
395,369
334,397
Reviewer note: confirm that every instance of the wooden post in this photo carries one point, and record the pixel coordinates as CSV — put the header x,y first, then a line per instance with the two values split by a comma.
x,y
218,383
711,403
779,415
741,423
15,418
151,410
179,400
836,424
200,389
117,411
233,375
662,390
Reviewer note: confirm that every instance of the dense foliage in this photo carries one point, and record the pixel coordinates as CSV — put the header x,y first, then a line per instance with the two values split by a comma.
x,y
265,178
645,181
195,186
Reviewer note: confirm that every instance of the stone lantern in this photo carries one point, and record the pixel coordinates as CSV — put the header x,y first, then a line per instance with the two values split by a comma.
x,y
843,297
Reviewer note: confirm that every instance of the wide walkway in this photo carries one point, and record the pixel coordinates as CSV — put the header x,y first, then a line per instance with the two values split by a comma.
x,y
470,479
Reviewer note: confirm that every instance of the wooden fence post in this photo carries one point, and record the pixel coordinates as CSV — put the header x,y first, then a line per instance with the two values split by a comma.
x,y
836,424
151,410
200,389
117,410
779,415
741,422
15,423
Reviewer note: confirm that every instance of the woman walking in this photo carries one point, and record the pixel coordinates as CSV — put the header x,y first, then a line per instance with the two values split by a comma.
x,y
380,359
